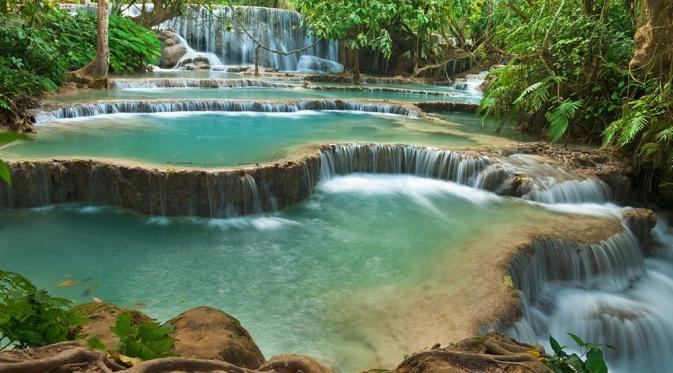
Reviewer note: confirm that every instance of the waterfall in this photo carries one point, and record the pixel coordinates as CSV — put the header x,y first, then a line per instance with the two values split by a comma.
x,y
159,106
419,161
196,83
606,293
213,30
572,191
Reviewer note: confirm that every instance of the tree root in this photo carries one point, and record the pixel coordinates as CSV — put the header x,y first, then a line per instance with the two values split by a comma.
x,y
171,364
74,355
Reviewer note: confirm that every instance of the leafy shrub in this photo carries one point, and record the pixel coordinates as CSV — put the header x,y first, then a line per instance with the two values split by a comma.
x,y
568,72
132,46
36,53
29,64
31,317
145,341
563,362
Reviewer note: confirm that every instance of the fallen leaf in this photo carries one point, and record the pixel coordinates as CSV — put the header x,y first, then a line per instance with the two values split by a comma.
x,y
66,283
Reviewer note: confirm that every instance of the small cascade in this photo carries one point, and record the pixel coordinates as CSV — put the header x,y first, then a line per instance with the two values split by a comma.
x,y
316,64
571,191
252,199
158,106
196,83
471,82
402,159
611,265
213,30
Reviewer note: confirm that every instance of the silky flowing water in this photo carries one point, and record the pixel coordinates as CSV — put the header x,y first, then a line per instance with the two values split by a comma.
x,y
288,276
257,94
222,139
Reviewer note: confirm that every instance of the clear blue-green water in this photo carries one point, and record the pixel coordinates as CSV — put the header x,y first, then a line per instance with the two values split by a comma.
x,y
222,139
250,94
285,275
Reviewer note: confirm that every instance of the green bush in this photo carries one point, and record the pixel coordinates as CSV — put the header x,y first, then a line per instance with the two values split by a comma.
x,y
568,72
145,341
37,52
29,64
132,46
590,359
31,317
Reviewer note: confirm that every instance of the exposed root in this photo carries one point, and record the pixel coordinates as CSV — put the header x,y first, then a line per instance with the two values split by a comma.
x,y
76,355
171,364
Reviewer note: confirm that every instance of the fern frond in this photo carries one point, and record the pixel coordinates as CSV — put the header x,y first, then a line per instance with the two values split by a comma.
x,y
665,135
534,97
632,128
559,119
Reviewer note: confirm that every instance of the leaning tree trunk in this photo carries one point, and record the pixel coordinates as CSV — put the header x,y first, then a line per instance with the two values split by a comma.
x,y
96,71
356,66
654,41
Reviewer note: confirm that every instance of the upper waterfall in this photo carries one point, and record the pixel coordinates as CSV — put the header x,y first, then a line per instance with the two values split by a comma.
x,y
213,30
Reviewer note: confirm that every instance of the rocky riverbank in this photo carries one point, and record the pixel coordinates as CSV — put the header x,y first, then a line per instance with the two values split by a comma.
x,y
209,340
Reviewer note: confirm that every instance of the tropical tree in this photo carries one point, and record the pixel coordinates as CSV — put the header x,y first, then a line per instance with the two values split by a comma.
x,y
97,69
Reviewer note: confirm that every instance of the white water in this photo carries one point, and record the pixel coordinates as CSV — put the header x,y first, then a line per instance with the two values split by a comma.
x,y
159,106
214,31
606,293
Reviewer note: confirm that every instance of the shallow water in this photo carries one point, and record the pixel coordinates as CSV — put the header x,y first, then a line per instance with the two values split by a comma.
x,y
252,94
284,275
222,139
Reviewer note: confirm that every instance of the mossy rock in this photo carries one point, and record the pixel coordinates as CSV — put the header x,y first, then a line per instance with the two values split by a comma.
x,y
102,316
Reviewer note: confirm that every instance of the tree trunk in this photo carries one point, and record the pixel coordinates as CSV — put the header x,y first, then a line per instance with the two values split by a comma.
x,y
654,41
356,66
96,71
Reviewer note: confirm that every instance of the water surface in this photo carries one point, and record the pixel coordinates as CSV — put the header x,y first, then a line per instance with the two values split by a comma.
x,y
208,139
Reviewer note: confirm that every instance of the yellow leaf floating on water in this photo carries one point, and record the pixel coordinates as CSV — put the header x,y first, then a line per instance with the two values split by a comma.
x,y
97,300
507,280
66,283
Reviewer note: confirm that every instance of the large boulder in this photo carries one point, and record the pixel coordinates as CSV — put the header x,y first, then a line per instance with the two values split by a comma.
x,y
291,363
102,316
208,333
174,49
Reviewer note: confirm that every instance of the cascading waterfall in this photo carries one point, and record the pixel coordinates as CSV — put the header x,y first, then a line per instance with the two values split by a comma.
x,y
213,30
572,191
402,159
158,106
196,83
606,293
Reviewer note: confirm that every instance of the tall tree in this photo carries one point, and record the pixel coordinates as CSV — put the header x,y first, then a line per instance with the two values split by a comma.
x,y
97,69
654,41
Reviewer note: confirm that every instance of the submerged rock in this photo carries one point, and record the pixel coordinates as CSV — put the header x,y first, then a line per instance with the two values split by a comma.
x,y
291,363
208,333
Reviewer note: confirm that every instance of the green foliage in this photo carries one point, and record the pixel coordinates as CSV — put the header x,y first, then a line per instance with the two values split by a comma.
x,y
145,341
590,359
37,49
132,47
31,317
569,67
357,23
646,123
5,173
